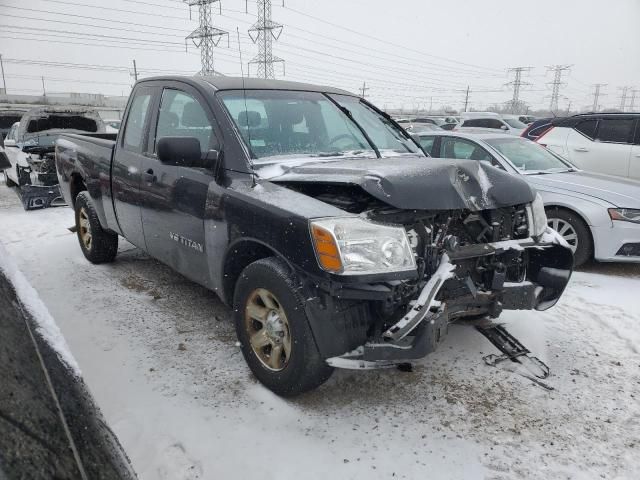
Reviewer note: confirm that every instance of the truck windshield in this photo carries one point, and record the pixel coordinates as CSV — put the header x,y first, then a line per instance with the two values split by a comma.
x,y
280,123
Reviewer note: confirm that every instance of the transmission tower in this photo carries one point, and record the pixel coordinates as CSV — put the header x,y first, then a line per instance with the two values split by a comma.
x,y
623,97
206,36
596,96
363,90
517,83
633,99
557,82
264,32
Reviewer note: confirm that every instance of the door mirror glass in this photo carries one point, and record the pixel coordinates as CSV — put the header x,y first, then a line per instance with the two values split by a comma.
x,y
180,151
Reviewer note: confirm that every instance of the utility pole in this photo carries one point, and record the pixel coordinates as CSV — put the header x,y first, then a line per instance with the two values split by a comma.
x,y
4,81
466,99
263,33
363,90
623,97
135,70
556,84
517,83
596,96
206,36
430,104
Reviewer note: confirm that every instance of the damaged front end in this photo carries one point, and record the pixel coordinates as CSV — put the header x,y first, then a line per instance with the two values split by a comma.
x,y
468,265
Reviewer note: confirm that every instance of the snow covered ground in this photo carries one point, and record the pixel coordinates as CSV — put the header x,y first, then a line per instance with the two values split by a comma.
x,y
158,353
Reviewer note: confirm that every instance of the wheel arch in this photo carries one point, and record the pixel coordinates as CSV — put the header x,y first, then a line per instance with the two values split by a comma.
x,y
77,184
240,254
580,216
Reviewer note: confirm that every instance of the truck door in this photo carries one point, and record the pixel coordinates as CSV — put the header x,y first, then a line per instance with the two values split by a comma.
x,y
174,197
127,165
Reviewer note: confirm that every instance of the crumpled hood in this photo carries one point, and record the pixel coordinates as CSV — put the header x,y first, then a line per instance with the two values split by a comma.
x,y
414,182
619,191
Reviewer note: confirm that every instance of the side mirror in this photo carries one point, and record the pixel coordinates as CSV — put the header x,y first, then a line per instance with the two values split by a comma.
x,y
179,151
9,143
504,127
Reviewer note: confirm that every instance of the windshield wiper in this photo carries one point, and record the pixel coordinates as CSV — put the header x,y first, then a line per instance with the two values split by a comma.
x,y
348,113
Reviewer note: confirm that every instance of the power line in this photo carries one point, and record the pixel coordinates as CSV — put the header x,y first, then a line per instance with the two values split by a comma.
x,y
206,36
404,47
263,33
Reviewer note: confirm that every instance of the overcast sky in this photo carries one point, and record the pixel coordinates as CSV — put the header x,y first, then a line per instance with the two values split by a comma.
x,y
408,52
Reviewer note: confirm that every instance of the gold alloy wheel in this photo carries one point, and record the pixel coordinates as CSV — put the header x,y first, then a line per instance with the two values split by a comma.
x,y
84,229
268,329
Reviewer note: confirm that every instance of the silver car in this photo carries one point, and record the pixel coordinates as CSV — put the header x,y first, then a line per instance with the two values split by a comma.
x,y
598,215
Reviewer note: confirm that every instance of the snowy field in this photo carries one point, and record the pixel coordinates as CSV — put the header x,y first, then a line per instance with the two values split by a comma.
x,y
158,353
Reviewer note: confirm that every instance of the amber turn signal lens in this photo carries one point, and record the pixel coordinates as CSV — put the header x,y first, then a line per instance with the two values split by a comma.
x,y
326,248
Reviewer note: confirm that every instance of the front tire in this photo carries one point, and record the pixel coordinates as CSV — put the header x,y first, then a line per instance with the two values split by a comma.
x,y
575,231
273,329
97,244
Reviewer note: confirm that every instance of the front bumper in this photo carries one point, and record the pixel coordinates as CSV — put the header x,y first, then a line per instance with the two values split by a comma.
x,y
424,326
619,242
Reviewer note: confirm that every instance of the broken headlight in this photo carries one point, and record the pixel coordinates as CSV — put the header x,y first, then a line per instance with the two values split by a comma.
x,y
353,246
625,214
538,217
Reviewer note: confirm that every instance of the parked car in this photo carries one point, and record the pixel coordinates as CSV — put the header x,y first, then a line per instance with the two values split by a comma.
x,y
490,122
446,123
537,128
308,210
527,119
598,215
425,127
29,147
599,142
112,126
8,117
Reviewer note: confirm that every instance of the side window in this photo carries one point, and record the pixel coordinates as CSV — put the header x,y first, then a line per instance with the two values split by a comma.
x,y
181,115
427,143
134,129
587,128
473,123
494,123
462,149
614,130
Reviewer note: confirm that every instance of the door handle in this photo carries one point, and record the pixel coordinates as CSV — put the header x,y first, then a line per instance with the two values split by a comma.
x,y
637,154
148,176
581,149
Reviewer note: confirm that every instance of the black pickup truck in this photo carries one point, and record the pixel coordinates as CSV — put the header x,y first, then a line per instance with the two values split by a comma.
x,y
336,239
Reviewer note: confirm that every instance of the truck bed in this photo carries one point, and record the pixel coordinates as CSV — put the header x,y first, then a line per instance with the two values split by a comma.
x,y
85,156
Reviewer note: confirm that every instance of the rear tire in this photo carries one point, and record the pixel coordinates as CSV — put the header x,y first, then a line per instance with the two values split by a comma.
x,y
260,324
97,244
573,229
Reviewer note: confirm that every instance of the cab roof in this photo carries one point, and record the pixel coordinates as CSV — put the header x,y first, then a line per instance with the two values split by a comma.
x,y
248,83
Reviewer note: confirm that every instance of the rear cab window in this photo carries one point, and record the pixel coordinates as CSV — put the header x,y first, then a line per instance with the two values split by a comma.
x,y
136,120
